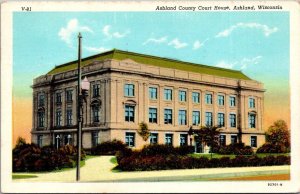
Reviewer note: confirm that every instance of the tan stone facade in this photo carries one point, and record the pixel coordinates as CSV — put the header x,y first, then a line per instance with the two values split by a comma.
x,y
122,94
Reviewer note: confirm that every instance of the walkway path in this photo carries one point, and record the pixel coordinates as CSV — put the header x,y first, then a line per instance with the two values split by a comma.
x,y
99,169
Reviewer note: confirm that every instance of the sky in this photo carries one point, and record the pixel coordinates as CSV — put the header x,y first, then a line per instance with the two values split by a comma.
x,y
257,43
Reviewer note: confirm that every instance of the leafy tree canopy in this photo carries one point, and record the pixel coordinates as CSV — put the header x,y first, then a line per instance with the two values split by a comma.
x,y
278,133
143,131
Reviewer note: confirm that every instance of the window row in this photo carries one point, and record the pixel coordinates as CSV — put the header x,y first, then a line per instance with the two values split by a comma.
x,y
182,96
183,139
153,139
182,117
69,117
234,140
68,95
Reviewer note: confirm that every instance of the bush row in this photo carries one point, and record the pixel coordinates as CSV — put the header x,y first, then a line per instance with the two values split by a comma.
x,y
236,149
108,148
30,158
273,148
159,162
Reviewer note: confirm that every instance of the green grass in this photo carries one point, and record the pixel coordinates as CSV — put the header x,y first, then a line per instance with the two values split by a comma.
x,y
114,160
23,176
261,155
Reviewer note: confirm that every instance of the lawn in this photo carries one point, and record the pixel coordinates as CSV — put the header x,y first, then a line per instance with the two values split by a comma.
x,y
261,155
23,176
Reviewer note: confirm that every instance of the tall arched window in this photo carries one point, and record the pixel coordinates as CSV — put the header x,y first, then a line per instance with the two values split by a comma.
x,y
95,111
41,117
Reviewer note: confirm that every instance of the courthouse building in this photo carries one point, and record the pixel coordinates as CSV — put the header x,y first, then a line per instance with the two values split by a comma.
x,y
128,88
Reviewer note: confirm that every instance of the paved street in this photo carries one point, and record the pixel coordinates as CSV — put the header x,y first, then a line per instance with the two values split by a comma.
x,y
99,169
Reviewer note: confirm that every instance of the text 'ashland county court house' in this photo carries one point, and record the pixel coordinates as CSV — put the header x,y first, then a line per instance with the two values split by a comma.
x,y
128,88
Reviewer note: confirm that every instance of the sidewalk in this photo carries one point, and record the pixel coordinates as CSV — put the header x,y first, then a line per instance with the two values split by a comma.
x,y
98,169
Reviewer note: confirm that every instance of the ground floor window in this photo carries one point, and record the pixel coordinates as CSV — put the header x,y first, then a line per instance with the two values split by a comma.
x,y
233,139
130,139
253,141
222,140
183,140
153,138
95,135
169,139
40,140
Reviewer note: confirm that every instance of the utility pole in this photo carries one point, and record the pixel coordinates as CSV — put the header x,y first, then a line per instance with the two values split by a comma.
x,y
79,115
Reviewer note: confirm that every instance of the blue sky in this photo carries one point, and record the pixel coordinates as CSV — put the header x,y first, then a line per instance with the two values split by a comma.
x,y
255,42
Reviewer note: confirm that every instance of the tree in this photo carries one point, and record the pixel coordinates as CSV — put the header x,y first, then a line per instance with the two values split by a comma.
x,y
20,141
208,135
278,134
143,131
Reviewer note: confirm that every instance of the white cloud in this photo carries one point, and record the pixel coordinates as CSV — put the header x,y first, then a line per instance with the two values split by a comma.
x,y
157,41
177,44
224,64
246,61
96,50
239,65
73,27
106,30
267,31
198,44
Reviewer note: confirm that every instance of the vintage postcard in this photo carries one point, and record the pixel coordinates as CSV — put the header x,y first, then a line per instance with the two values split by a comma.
x,y
140,96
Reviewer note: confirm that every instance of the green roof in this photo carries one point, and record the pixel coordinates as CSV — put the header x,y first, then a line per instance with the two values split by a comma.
x,y
154,61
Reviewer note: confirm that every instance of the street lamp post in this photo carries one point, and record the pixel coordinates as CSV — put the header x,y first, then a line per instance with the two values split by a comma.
x,y
82,93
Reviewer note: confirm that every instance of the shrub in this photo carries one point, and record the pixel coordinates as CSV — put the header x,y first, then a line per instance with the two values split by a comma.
x,y
272,148
29,157
237,149
108,148
136,162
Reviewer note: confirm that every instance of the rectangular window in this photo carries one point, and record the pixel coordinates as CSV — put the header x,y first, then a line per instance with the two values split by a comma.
x,y
196,97
129,113
222,140
252,121
96,90
182,96
41,100
95,138
253,141
168,116
233,139
40,140
232,102
152,115
152,93
182,117
69,117
169,139
95,111
58,118
251,103
41,119
129,90
58,98
69,95
232,118
221,119
221,100
208,119
130,139
153,138
168,94
183,140
208,98
196,117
